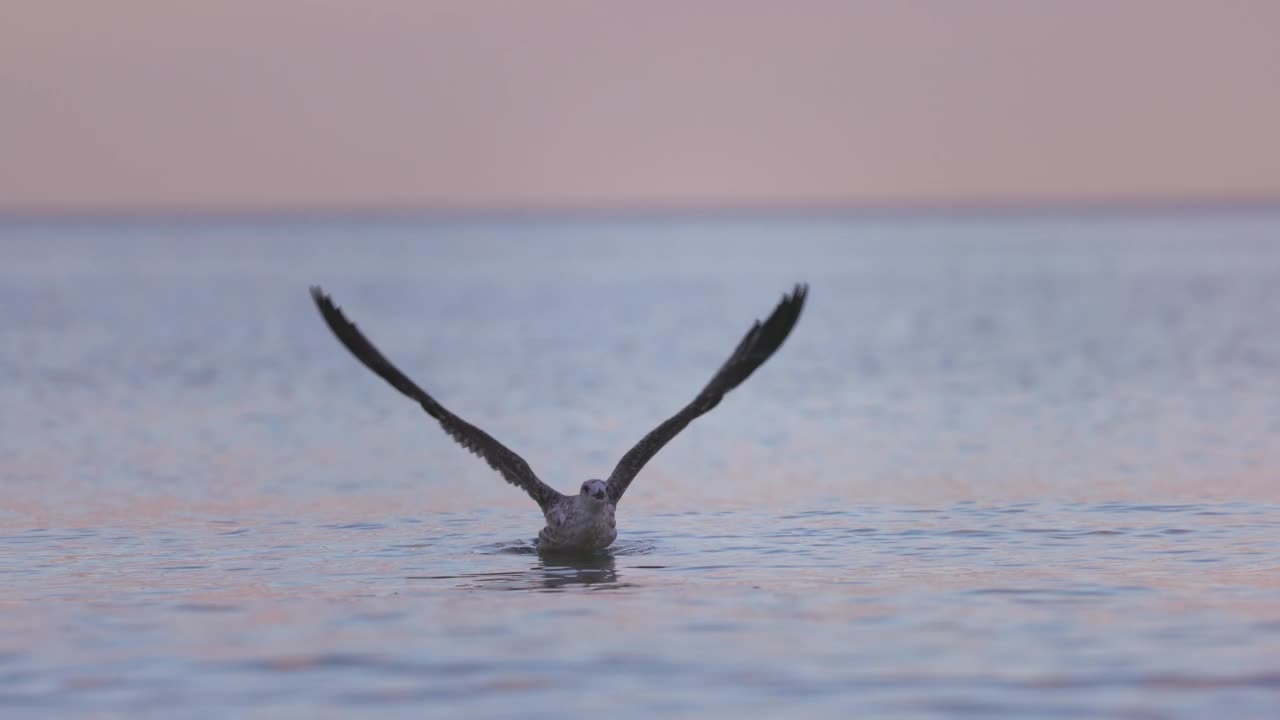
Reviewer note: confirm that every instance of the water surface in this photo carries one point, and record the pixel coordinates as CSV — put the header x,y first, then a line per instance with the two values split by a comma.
x,y
1004,467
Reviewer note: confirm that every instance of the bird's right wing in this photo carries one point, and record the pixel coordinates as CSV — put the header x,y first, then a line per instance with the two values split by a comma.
x,y
511,466
756,346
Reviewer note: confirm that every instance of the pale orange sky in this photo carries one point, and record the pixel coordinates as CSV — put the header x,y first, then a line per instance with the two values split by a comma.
x,y
261,105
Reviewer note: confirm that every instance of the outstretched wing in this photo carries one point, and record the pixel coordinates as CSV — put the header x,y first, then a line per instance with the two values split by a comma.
x,y
761,341
511,466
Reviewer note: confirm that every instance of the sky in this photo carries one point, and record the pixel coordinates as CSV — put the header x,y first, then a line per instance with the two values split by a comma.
x,y
135,106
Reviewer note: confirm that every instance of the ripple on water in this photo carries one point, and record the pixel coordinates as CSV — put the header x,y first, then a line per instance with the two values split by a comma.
x,y
895,603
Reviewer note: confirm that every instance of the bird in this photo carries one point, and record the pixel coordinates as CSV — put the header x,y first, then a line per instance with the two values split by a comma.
x,y
584,521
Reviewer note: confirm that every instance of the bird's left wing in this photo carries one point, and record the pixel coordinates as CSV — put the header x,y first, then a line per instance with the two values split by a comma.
x,y
759,343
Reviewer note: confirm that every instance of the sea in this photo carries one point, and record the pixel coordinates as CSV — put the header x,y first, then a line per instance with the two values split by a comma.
x,y
1008,465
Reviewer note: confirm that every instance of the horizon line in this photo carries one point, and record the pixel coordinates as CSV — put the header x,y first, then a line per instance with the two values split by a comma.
x,y
551,213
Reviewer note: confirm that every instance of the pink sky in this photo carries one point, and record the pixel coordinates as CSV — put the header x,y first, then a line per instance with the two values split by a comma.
x,y
251,105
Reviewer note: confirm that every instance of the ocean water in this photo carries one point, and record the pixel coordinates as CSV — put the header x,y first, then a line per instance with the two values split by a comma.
x,y
1004,467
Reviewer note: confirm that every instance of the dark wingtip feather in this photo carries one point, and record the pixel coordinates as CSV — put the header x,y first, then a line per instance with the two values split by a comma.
x,y
325,305
764,337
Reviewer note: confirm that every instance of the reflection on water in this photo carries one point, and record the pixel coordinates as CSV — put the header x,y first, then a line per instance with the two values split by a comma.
x,y
1002,468
549,574
556,570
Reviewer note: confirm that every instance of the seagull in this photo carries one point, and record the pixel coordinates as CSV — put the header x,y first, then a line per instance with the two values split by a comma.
x,y
583,522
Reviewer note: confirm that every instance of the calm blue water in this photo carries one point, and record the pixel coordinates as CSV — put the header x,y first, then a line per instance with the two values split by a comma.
x,y
1022,467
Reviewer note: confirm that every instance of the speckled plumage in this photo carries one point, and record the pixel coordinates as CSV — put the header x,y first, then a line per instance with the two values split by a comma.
x,y
584,521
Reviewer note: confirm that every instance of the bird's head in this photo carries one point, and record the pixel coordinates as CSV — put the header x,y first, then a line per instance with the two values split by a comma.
x,y
594,490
